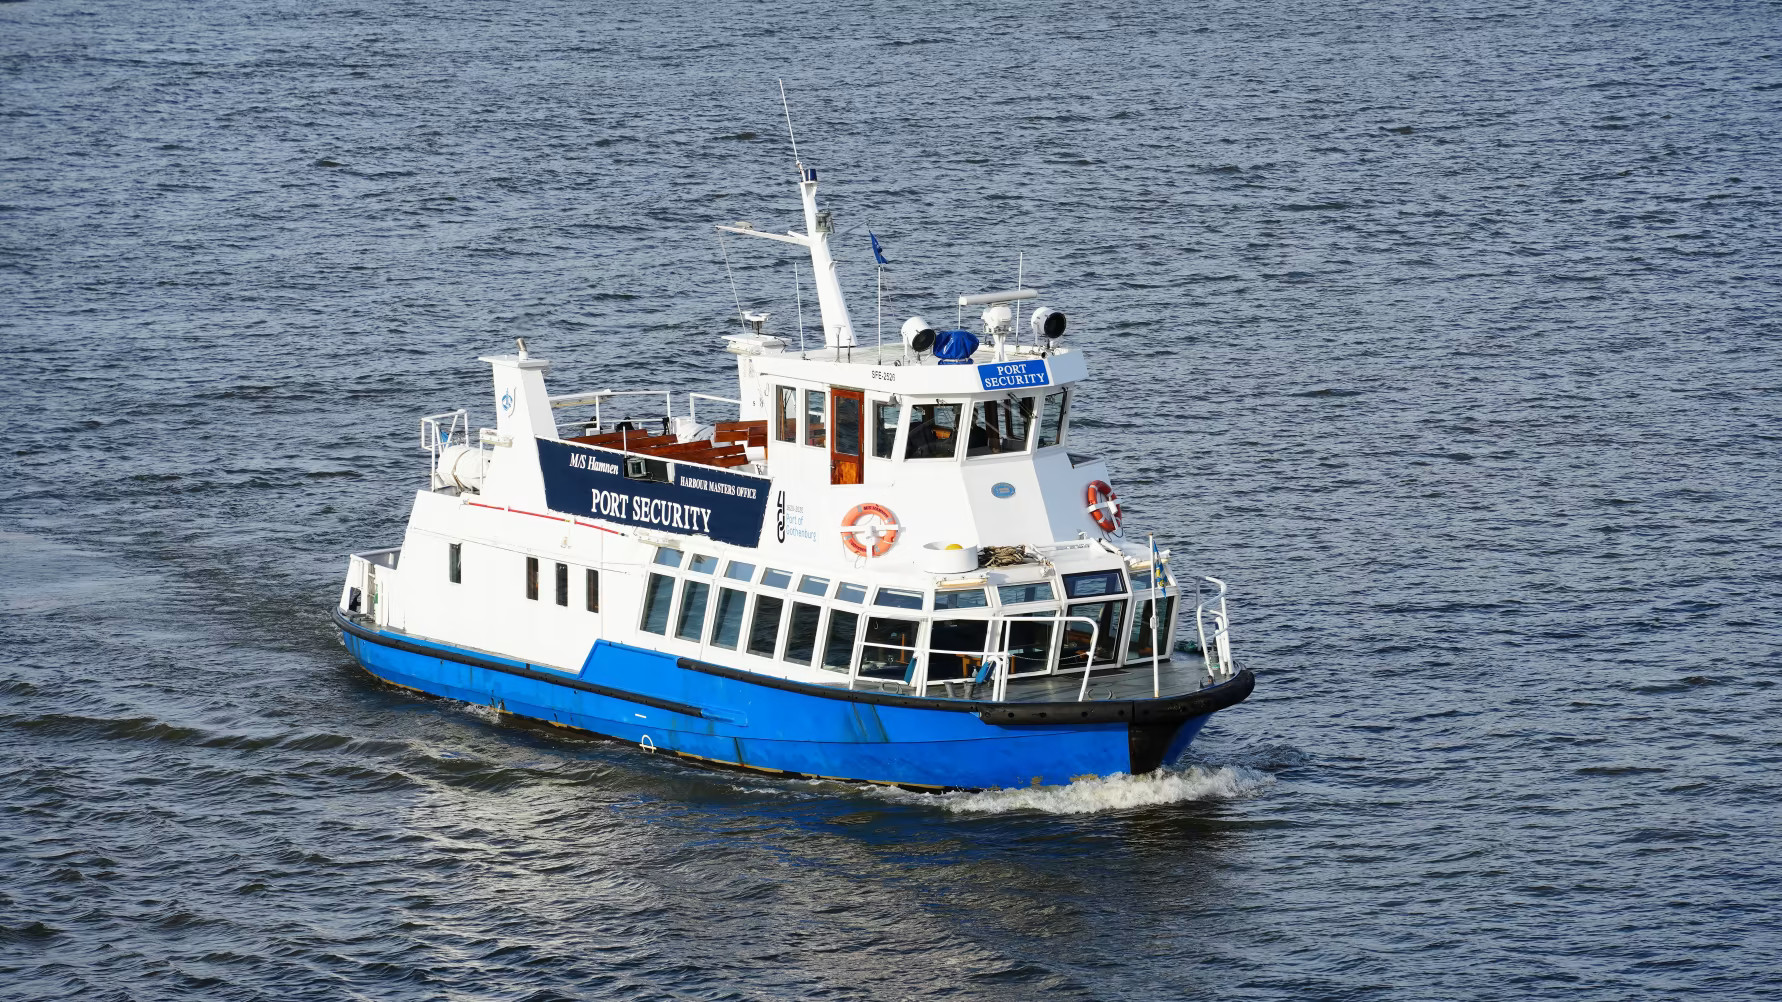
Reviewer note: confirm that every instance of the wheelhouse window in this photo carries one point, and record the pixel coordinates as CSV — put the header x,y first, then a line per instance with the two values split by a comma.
x,y
1051,422
667,557
813,585
1108,618
727,622
969,599
455,563
1018,594
703,564
813,418
532,578
898,598
764,628
691,623
999,426
884,428
1030,645
593,590
847,591
658,596
801,633
1093,584
956,648
838,650
739,571
775,578
1144,639
934,431
562,583
890,649
785,414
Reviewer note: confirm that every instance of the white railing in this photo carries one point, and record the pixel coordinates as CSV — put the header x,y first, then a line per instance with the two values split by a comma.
x,y
441,431
1215,650
693,405
1005,664
599,397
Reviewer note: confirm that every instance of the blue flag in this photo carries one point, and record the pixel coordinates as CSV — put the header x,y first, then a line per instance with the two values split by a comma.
x,y
878,253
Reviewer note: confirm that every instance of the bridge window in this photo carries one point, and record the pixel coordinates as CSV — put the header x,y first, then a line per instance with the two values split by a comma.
x,y
1140,646
658,594
773,578
890,649
970,599
999,426
838,652
813,417
703,564
801,633
785,414
814,586
1093,584
934,431
727,624
739,571
667,557
898,598
1108,617
884,428
850,592
956,648
1030,646
1051,423
1018,594
692,620
764,629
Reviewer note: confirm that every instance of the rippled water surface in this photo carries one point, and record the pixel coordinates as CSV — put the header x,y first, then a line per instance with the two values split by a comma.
x,y
1447,333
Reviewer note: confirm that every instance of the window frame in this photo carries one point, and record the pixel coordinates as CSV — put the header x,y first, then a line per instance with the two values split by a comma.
x,y
818,437
785,414
954,454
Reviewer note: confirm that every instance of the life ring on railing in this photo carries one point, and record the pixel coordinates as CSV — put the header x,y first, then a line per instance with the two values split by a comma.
x,y
1104,506
879,535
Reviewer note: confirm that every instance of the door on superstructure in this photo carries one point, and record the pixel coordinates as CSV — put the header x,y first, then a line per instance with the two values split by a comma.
x,y
847,414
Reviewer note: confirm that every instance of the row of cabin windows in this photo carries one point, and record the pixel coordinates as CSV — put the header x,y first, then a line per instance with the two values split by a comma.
x,y
998,427
590,578
889,648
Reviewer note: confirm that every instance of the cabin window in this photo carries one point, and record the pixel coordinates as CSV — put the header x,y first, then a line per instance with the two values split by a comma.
x,y
956,648
898,598
764,629
884,428
562,583
667,557
1093,585
455,564
532,578
593,590
801,633
890,649
1030,645
773,578
999,426
813,418
658,595
691,623
934,431
1017,594
814,586
838,652
703,564
1051,423
1140,645
785,414
1108,617
971,599
849,592
727,624
739,571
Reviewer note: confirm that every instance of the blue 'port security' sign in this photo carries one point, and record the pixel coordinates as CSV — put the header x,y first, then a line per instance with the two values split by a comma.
x,y
1014,375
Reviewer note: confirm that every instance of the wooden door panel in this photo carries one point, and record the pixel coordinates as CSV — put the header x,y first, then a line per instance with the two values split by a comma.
x,y
847,437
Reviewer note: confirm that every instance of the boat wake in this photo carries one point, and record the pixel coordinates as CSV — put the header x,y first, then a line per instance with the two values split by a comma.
x,y
1117,792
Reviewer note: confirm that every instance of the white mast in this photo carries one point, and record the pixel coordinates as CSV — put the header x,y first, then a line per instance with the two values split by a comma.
x,y
838,330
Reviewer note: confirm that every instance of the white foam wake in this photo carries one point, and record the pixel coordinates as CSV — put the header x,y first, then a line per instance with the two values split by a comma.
x,y
1103,793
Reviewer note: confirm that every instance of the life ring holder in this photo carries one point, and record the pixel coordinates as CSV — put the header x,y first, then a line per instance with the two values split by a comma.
x,y
881,535
1104,506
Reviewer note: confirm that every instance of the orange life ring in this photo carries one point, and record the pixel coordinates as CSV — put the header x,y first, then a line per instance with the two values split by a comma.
x,y
1104,506
881,534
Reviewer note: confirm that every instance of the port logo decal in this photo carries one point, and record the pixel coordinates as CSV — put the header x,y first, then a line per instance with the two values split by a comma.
x,y
581,480
1014,375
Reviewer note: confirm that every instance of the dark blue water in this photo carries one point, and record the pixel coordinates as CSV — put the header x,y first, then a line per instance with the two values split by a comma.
x,y
1447,333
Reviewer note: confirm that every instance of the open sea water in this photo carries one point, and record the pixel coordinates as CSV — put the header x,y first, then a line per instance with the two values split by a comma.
x,y
1447,333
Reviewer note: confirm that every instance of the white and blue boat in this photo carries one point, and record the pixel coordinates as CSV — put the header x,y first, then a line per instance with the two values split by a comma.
x,y
890,566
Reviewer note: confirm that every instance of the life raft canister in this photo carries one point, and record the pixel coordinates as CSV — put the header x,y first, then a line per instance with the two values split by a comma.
x,y
882,533
1104,506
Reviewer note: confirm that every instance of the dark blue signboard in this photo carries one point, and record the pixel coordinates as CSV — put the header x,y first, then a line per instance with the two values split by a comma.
x,y
1014,375
580,480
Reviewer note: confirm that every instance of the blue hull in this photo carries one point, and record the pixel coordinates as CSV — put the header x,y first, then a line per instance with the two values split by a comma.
x,y
708,713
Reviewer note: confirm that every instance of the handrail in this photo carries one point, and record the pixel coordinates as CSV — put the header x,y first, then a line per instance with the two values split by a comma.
x,y
434,443
1000,680
692,406
1221,639
598,396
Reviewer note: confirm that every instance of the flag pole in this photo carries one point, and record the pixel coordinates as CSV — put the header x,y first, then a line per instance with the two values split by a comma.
x,y
881,270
